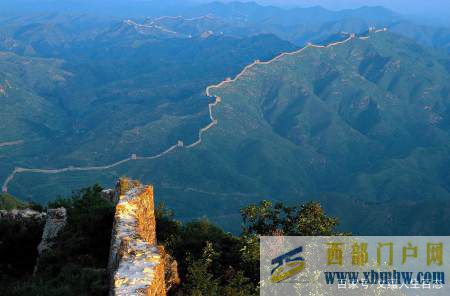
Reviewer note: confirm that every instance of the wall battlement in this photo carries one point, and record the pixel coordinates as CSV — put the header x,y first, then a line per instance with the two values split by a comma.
x,y
136,262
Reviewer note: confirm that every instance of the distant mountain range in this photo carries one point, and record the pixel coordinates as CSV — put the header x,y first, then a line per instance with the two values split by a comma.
x,y
297,25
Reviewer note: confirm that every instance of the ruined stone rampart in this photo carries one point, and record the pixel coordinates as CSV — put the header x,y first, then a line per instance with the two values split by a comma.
x,y
136,263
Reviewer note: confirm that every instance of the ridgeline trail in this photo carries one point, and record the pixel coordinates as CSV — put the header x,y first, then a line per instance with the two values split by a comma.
x,y
179,17
179,144
154,23
150,26
4,144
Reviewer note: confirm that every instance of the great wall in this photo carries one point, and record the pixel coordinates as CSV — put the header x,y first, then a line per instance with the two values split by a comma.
x,y
137,265
13,143
180,144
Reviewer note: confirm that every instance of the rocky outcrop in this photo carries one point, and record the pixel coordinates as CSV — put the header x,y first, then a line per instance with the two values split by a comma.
x,y
137,265
22,214
56,220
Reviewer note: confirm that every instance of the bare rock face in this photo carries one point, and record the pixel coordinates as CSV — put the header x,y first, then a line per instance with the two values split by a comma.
x,y
171,276
56,220
137,266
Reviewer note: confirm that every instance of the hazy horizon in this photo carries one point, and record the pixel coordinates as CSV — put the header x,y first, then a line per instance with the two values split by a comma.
x,y
436,10
430,9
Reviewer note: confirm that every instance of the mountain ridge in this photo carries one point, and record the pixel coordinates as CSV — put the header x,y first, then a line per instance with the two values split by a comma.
x,y
179,143
340,121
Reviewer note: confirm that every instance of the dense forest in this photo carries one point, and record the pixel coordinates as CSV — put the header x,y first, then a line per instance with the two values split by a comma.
x,y
210,260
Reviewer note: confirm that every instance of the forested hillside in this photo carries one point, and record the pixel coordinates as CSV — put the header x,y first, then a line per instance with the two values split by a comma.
x,y
361,124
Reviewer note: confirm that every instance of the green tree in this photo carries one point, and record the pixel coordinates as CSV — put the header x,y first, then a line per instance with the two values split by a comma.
x,y
76,265
303,220
268,219
200,281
